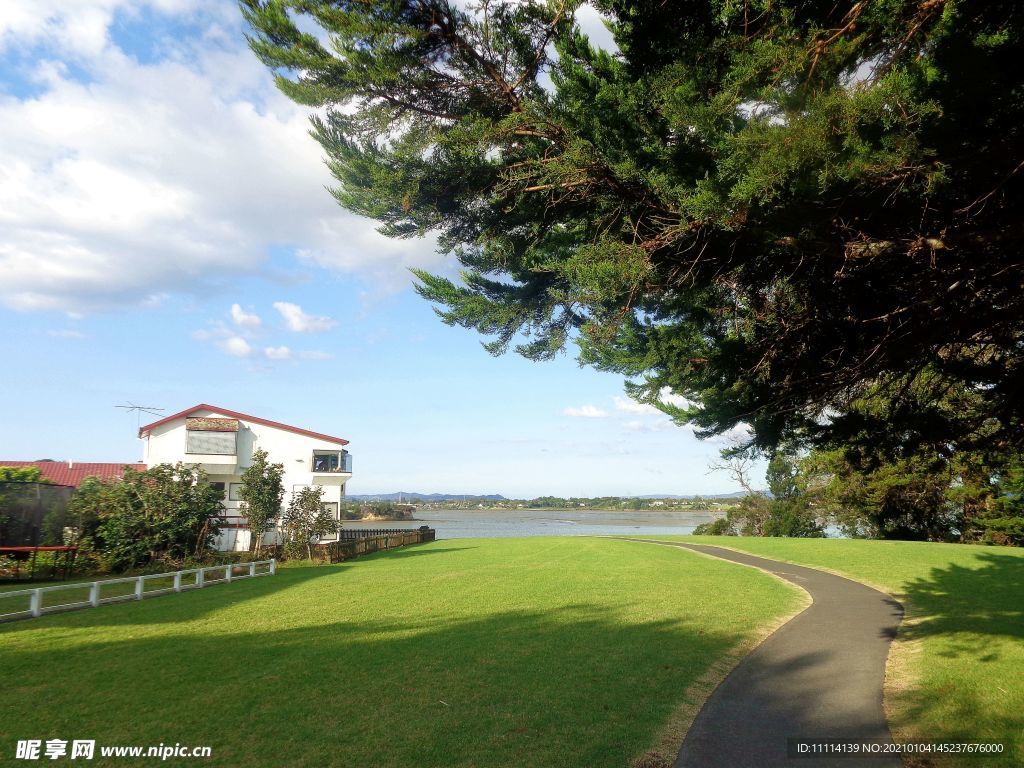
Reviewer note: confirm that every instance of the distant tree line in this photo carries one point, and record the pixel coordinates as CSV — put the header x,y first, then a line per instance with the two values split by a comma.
x,y
577,502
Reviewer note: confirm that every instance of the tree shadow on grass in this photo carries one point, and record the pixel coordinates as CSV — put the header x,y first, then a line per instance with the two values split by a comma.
x,y
972,622
568,687
982,604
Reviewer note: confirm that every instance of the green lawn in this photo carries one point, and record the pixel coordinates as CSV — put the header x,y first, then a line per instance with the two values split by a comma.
x,y
962,648
485,652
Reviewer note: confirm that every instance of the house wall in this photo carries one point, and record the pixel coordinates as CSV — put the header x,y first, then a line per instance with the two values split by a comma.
x,y
166,444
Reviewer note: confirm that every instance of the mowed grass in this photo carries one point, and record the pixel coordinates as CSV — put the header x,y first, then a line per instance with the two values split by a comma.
x,y
961,649
486,652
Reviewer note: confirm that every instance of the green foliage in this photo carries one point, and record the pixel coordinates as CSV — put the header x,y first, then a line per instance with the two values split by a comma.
x,y
758,515
781,477
20,475
788,512
1003,521
262,494
793,518
723,526
84,509
306,520
899,499
165,513
771,208
934,495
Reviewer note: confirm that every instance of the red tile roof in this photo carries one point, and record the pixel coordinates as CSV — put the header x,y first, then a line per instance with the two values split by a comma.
x,y
74,472
237,415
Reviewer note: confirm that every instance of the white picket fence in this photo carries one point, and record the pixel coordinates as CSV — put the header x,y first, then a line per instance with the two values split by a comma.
x,y
180,581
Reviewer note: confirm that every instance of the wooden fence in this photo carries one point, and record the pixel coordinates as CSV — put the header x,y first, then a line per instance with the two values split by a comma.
x,y
31,603
372,540
362,533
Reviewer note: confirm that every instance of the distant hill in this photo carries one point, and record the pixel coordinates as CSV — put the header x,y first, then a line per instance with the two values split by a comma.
x,y
406,496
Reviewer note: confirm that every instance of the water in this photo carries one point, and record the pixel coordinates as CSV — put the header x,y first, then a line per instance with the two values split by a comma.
x,y
478,523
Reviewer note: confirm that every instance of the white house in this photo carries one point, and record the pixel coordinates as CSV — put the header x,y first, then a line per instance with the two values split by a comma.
x,y
222,443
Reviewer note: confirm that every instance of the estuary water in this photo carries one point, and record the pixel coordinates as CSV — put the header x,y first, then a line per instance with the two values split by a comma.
x,y
481,523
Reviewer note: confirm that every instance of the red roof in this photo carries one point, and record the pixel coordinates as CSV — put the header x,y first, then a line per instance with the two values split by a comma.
x,y
247,417
74,472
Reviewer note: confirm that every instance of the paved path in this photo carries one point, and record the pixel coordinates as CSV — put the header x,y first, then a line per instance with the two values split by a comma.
x,y
819,676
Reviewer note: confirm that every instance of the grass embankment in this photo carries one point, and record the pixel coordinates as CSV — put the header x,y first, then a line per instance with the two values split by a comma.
x,y
956,669
485,652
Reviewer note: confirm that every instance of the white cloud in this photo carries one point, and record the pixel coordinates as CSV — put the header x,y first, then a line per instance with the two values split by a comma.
x,y
243,318
665,395
586,412
629,405
120,180
299,321
237,346
278,353
651,418
738,435
79,27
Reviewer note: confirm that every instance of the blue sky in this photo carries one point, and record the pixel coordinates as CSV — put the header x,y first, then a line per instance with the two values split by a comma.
x,y
166,239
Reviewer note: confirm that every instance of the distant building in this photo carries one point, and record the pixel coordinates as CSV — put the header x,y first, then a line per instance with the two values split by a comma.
x,y
222,443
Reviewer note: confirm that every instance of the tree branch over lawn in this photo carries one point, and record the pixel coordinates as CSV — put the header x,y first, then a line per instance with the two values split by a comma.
x,y
774,209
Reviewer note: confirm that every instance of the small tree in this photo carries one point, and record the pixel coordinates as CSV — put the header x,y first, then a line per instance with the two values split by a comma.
x,y
85,508
788,512
164,513
262,494
307,519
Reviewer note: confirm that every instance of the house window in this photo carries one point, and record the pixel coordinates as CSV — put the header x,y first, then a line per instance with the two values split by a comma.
x,y
219,487
235,492
210,442
326,461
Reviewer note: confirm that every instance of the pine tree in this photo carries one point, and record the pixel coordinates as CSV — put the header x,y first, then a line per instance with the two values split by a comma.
x,y
771,207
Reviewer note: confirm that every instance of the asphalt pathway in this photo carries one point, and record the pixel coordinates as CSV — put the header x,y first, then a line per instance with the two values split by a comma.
x,y
819,676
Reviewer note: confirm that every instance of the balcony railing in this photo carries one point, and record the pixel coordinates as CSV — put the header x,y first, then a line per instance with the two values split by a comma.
x,y
328,463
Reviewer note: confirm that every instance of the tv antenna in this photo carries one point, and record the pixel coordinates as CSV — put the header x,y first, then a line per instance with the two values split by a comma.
x,y
139,410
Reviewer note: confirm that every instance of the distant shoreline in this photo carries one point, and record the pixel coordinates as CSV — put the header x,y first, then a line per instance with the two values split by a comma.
x,y
646,511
